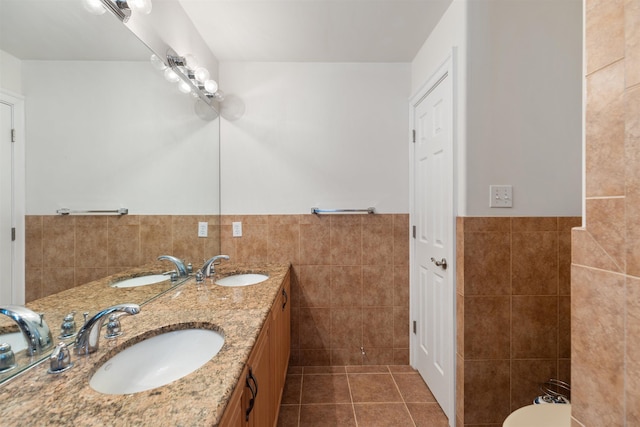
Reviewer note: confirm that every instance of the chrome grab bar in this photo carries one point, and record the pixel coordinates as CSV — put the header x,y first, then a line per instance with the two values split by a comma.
x,y
317,211
66,211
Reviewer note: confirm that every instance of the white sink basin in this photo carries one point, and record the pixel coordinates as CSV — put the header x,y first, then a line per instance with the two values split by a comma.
x,y
241,280
133,282
157,361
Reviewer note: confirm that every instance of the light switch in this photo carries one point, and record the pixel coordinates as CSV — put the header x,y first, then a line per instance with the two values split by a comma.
x,y
203,229
501,196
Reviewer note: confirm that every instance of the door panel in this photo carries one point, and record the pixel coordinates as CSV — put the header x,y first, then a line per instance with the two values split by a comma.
x,y
433,213
6,204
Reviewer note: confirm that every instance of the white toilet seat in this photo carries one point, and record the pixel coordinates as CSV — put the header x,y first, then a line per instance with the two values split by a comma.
x,y
543,415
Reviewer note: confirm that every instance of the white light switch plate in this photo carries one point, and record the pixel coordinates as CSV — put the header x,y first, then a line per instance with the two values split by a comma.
x,y
501,196
237,229
203,229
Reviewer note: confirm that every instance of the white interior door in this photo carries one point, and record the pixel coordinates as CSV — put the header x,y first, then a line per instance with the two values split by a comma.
x,y
6,204
12,198
433,286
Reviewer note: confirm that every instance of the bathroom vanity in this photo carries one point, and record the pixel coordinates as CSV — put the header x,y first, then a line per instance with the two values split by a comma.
x,y
242,385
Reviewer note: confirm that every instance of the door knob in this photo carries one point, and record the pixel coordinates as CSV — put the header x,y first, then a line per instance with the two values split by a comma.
x,y
442,263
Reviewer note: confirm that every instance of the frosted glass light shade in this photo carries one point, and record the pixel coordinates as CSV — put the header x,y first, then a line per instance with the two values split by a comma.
x,y
211,86
184,87
142,6
94,7
157,63
201,74
171,75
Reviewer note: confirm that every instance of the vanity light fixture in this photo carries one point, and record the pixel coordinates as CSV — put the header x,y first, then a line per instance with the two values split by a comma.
x,y
120,8
192,78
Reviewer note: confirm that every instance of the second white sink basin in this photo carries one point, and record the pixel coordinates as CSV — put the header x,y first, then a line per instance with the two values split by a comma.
x,y
133,282
242,280
157,361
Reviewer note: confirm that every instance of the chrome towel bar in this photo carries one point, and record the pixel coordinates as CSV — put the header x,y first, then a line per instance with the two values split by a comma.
x,y
330,211
66,211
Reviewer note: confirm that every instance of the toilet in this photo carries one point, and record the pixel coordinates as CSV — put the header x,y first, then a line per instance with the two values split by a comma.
x,y
542,415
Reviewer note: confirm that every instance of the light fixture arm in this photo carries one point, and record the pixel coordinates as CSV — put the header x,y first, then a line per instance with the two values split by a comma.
x,y
178,64
120,8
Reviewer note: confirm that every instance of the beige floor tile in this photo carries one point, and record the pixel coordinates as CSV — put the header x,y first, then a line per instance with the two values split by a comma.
x,y
413,388
325,389
382,415
340,415
427,415
373,388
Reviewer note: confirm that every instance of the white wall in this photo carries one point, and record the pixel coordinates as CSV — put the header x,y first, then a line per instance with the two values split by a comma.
x,y
331,135
525,105
518,102
10,73
449,34
104,135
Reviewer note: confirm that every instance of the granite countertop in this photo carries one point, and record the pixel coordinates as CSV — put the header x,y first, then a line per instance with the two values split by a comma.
x,y
199,399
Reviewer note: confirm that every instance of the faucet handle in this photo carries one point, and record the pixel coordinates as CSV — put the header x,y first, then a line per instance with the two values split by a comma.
x,y
68,327
114,329
60,359
7,358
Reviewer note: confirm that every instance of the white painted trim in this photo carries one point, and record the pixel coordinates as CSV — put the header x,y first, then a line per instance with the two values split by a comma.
x,y
19,193
447,66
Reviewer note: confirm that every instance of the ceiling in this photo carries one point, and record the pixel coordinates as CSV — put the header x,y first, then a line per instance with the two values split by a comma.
x,y
315,30
234,30
63,30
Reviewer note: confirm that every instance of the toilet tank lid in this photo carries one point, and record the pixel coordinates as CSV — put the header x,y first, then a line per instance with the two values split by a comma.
x,y
547,415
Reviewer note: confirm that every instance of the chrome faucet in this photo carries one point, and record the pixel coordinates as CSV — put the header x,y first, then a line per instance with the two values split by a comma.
x,y
33,327
208,269
89,334
180,267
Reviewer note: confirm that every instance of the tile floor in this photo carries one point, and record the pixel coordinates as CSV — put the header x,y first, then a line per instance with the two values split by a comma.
x,y
362,396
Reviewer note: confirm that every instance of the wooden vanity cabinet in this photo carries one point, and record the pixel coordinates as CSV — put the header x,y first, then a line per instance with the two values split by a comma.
x,y
255,401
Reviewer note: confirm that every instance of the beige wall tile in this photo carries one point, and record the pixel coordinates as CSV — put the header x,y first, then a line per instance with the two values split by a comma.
x,y
346,286
486,327
632,147
480,377
401,239
526,377
58,240
346,328
401,285
597,334
378,329
605,132
284,241
377,285
472,224
487,263
604,33
632,380
346,240
34,249
606,223
538,223
315,285
632,39
315,328
534,327
315,242
586,251
534,258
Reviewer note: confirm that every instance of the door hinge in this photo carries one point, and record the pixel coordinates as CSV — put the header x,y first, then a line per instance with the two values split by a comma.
x,y
415,327
414,135
13,234
413,231
13,135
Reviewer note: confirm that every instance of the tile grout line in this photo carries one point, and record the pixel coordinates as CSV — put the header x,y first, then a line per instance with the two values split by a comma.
x,y
353,406
300,397
404,403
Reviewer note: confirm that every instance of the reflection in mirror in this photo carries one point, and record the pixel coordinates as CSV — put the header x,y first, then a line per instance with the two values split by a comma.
x,y
104,130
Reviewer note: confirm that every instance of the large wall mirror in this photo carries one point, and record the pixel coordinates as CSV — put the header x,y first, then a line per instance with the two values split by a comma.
x,y
103,130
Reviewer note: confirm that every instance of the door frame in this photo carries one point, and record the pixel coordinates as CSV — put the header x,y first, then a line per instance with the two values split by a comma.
x,y
19,191
446,67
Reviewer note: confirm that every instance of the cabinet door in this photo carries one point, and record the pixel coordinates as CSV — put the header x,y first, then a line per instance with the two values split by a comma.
x,y
234,414
262,413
